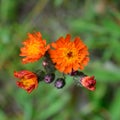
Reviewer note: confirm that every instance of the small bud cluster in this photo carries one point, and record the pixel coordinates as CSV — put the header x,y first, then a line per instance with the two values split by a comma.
x,y
48,75
50,78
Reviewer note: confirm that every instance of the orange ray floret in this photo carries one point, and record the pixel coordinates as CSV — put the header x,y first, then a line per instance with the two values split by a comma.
x,y
28,80
69,55
34,48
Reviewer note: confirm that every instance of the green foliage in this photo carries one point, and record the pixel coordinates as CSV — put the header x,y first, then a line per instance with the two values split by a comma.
x,y
98,25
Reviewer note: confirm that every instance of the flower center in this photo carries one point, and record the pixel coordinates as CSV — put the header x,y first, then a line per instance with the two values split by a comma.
x,y
27,82
33,49
70,54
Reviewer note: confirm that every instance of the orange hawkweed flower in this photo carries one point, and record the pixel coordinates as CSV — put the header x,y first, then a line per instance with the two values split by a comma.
x,y
34,48
88,82
69,55
28,80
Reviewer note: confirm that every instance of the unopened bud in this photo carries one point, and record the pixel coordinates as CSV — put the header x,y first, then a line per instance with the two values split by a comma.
x,y
40,74
49,78
44,63
88,82
73,73
59,83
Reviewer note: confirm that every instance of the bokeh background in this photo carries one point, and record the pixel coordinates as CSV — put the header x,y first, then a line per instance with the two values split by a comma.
x,y
97,22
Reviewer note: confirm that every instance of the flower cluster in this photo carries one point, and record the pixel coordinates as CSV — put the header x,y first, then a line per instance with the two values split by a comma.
x,y
65,55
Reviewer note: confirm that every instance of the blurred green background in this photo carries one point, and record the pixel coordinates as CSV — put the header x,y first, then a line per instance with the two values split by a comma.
x,y
97,22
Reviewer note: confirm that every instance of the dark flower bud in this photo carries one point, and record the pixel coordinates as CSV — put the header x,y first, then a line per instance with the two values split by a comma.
x,y
59,83
45,63
40,74
73,73
48,65
49,78
76,73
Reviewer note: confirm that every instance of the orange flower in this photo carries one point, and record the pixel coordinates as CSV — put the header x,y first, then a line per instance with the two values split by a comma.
x,y
34,48
88,82
69,55
28,80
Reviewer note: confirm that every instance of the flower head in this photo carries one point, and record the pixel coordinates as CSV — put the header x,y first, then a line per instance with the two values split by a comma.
x,y
34,48
88,82
69,55
28,80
